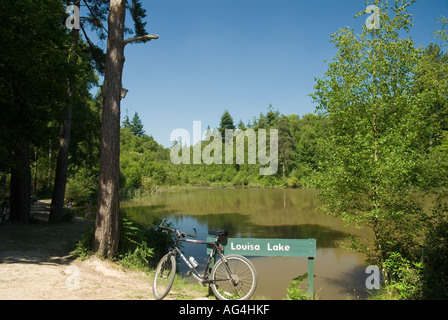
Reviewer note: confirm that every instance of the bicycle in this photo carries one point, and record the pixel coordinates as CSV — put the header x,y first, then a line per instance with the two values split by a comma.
x,y
232,277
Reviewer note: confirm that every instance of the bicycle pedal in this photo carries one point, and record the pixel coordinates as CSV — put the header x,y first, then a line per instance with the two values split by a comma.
x,y
189,273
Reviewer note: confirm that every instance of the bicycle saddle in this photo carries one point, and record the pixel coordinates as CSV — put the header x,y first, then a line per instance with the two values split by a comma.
x,y
218,233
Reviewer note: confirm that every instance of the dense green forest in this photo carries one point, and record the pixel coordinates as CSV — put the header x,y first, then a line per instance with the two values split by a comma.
x,y
376,147
146,165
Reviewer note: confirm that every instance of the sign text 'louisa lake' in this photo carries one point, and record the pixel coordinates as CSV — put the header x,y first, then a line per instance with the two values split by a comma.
x,y
271,247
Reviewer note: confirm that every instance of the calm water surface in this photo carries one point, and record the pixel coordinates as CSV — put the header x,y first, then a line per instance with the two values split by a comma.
x,y
265,213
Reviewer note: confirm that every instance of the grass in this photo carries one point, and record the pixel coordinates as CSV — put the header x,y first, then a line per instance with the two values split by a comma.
x,y
183,289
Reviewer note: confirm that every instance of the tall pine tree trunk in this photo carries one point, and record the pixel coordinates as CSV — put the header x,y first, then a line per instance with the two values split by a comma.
x,y
20,194
60,179
106,225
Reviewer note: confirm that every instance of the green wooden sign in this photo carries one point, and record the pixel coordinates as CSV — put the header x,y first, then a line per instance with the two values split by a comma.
x,y
305,248
271,247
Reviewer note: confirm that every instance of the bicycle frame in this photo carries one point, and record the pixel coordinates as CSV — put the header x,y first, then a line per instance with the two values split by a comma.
x,y
215,251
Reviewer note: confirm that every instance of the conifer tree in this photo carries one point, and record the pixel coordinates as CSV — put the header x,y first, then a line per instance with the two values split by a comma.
x,y
106,226
137,126
226,123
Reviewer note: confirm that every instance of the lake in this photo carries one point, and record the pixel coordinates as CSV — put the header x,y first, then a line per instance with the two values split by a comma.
x,y
265,213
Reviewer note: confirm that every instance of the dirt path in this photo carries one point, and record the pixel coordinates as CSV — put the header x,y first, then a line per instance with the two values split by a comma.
x,y
36,264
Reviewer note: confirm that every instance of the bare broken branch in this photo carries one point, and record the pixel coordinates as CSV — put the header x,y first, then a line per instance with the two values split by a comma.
x,y
140,38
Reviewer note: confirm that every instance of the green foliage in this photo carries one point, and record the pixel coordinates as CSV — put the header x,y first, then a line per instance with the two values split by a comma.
x,y
81,186
34,58
159,240
146,167
134,251
308,133
404,279
442,34
132,235
85,133
68,215
83,249
435,254
138,258
142,161
140,246
295,289
377,132
136,125
385,149
285,144
431,84
138,14
226,123
35,66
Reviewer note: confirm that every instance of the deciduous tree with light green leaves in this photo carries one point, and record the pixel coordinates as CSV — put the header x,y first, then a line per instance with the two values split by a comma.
x,y
378,132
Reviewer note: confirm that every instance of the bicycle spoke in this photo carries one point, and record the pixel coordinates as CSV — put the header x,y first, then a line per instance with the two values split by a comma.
x,y
239,284
164,276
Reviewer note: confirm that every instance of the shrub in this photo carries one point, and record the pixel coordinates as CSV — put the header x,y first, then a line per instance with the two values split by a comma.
x,y
135,240
295,291
68,215
83,248
81,186
436,259
137,259
134,250
403,279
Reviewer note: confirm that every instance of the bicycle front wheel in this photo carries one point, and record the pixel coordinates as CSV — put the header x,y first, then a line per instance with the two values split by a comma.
x,y
235,279
164,276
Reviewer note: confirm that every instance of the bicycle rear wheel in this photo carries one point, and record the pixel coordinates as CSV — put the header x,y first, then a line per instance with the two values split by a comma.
x,y
164,276
234,280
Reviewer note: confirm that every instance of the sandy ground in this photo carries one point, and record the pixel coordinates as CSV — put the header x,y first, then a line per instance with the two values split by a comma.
x,y
36,264
30,277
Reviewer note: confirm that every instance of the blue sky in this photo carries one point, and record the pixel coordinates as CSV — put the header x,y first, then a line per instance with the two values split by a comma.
x,y
240,56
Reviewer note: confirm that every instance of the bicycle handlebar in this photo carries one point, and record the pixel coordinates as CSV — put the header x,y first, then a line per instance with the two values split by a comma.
x,y
178,233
